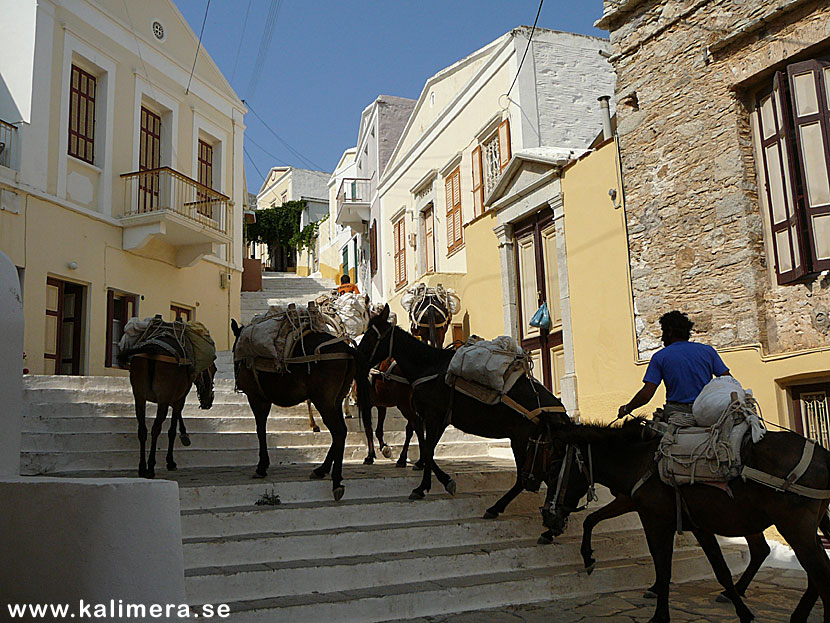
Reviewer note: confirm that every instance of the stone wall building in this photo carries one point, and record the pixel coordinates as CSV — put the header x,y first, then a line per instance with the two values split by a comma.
x,y
723,114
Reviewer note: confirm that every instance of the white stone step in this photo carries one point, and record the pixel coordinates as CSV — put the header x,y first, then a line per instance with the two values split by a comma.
x,y
401,565
433,597
51,462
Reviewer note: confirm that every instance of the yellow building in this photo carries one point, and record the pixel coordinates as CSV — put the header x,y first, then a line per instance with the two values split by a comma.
x,y
121,177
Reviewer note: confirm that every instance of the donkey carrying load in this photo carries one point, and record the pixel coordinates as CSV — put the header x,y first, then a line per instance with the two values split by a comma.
x,y
287,356
165,359
430,311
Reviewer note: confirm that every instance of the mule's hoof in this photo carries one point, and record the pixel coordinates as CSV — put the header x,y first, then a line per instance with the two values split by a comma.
x,y
451,487
589,569
544,540
418,467
722,598
488,514
338,492
171,467
348,416
315,429
650,594
386,451
185,439
400,463
416,495
260,474
315,475
368,461
149,474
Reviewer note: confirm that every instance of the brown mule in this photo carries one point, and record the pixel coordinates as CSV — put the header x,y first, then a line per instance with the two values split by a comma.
x,y
154,378
434,320
325,383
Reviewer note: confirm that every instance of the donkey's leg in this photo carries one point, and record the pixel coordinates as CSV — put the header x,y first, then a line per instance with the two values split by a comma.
x,y
418,425
805,604
431,436
401,462
182,430
385,450
175,418
519,451
660,538
800,534
714,554
161,413
370,440
140,413
445,479
261,409
616,507
311,423
758,552
334,421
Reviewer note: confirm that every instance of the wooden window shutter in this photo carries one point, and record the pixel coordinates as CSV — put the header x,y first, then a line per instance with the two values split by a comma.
x,y
811,118
450,219
373,247
456,199
779,181
504,143
478,185
400,252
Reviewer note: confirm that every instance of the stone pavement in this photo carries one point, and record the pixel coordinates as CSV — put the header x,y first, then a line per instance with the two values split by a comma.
x,y
772,597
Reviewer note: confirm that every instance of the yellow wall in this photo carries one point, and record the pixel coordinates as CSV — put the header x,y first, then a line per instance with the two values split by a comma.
x,y
103,265
607,371
479,289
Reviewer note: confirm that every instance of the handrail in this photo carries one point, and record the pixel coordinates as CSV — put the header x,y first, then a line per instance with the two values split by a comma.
x,y
181,176
8,134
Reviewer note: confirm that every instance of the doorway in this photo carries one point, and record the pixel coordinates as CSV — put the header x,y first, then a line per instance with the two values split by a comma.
x,y
64,327
537,281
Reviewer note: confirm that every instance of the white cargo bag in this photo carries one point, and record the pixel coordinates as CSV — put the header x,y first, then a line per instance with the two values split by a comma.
x,y
715,398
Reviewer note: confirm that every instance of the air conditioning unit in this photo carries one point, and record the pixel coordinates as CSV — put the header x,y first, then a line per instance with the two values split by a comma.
x,y
224,280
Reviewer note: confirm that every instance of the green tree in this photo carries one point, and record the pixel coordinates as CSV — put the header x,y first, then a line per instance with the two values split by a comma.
x,y
280,226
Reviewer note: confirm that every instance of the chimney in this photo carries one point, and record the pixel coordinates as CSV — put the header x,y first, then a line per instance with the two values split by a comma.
x,y
605,112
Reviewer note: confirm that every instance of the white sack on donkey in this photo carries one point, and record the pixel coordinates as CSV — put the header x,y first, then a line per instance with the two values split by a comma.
x,y
714,399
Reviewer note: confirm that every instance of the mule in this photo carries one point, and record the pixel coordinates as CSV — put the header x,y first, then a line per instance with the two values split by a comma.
x,y
429,320
620,459
388,389
439,405
166,384
325,383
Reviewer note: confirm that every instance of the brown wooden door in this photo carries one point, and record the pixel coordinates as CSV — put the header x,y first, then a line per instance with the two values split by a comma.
x,y
64,327
537,282
429,237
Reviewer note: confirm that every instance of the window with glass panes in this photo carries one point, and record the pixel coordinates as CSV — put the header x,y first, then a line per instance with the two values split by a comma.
x,y
82,115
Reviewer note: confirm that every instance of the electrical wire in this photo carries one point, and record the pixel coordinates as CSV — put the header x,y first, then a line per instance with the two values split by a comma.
x,y
264,44
266,152
198,48
241,39
532,30
256,168
281,140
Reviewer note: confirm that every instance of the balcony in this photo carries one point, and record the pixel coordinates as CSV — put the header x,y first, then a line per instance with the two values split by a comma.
x,y
166,205
8,145
353,201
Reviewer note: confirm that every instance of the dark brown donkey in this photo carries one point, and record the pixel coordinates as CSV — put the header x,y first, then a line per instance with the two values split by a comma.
x,y
156,377
325,383
620,459
425,367
387,388
429,320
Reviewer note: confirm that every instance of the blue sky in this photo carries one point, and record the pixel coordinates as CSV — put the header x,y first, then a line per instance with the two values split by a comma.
x,y
329,59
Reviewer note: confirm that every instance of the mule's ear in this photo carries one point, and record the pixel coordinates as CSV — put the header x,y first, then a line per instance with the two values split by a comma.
x,y
235,327
384,315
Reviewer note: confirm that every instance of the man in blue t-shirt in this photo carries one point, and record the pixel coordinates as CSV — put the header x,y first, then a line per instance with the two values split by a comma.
x,y
684,366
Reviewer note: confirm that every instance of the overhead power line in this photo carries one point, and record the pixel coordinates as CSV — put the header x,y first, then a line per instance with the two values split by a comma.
x,y
279,160
241,39
256,168
264,44
296,153
532,30
198,48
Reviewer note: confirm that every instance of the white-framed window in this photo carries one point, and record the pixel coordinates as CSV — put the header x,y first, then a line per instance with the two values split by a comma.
x,y
489,160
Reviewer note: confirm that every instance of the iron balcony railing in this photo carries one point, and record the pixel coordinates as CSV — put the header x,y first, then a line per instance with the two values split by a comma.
x,y
167,190
354,190
8,144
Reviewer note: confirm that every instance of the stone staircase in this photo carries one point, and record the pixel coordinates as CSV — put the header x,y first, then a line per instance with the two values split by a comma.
x,y
281,289
373,556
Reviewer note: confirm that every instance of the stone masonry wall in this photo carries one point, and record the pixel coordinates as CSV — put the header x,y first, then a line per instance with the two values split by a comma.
x,y
695,228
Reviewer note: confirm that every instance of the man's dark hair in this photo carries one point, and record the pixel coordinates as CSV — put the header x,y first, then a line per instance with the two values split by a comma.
x,y
676,324
345,279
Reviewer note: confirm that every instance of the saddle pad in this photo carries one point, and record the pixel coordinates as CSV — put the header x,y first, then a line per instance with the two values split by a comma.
x,y
692,455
